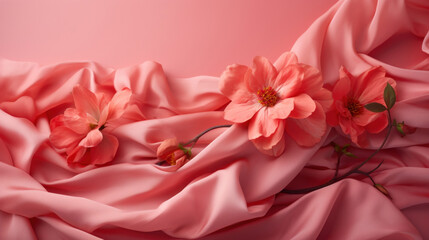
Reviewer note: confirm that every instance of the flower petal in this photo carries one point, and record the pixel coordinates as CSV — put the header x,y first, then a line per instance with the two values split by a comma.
x,y
86,101
373,75
308,131
332,117
264,73
347,125
304,106
273,145
103,117
232,83
92,139
241,112
253,84
342,86
77,156
105,151
288,82
365,117
324,97
118,104
361,140
311,80
102,100
378,124
56,122
276,150
262,125
375,90
350,128
76,121
64,137
179,163
286,59
341,109
166,147
282,109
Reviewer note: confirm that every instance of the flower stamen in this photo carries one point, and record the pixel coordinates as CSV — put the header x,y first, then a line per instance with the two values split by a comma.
x,y
171,159
93,126
267,96
354,106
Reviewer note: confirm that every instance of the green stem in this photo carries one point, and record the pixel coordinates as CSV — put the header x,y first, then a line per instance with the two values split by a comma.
x,y
350,172
373,170
338,164
195,139
367,175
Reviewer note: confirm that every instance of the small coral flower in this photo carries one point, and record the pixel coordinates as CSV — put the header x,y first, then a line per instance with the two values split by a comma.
x,y
350,95
84,132
173,153
287,96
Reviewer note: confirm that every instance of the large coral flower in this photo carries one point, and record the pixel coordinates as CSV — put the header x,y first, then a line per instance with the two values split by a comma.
x,y
83,132
351,95
287,96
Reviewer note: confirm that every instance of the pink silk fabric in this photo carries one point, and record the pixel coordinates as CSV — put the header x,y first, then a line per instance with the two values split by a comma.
x,y
229,190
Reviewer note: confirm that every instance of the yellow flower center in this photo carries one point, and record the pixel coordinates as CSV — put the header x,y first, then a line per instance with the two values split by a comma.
x,y
354,106
93,126
267,96
171,159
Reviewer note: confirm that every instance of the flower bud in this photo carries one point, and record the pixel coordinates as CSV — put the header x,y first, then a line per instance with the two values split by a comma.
x,y
382,190
404,129
173,153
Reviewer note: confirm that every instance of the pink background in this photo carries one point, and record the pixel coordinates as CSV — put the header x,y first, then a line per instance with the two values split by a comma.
x,y
188,37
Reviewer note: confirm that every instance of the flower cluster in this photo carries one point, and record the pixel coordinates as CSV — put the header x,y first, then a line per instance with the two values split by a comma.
x,y
275,101
288,99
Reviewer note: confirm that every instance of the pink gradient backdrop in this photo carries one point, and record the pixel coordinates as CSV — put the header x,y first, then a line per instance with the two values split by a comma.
x,y
188,37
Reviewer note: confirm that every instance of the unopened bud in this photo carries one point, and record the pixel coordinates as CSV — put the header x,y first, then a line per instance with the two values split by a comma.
x,y
404,129
382,190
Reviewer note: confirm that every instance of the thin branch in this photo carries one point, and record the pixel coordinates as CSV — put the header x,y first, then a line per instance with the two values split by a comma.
x,y
195,139
354,170
338,165
373,170
366,174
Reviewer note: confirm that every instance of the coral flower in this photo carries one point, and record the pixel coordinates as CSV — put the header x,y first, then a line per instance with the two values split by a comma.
x,y
83,132
351,95
287,96
173,153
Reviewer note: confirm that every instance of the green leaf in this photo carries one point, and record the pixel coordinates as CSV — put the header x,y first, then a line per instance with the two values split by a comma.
x,y
186,151
389,96
375,107
399,127
349,154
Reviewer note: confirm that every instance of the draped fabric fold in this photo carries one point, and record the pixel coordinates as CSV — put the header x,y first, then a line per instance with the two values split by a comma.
x,y
228,190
